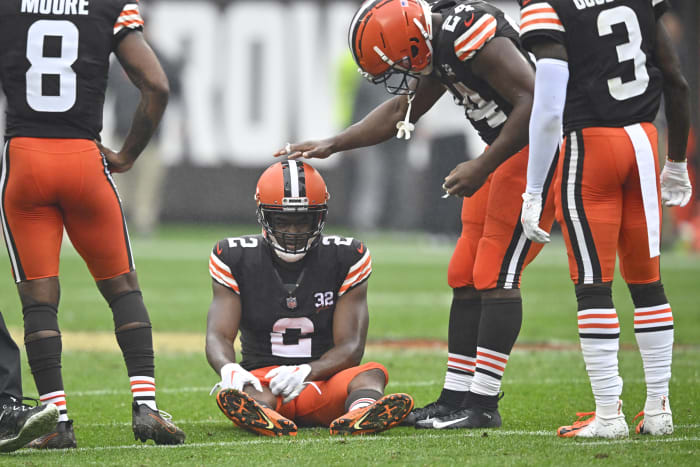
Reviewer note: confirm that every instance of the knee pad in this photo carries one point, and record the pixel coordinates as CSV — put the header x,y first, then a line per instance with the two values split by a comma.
x,y
40,317
644,295
591,296
129,308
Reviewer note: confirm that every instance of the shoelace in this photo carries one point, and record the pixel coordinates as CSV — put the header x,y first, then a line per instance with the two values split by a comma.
x,y
640,414
165,415
580,415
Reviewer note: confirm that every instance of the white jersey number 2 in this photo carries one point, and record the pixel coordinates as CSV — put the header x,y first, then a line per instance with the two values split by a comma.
x,y
42,66
631,50
301,349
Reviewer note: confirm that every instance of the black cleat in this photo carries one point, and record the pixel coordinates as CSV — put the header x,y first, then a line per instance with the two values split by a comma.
x,y
429,412
62,437
20,424
473,417
154,424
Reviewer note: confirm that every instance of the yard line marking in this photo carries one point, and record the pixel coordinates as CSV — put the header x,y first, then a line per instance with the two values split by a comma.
x,y
392,384
344,439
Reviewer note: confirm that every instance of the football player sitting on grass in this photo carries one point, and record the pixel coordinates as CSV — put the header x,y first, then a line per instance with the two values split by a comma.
x,y
299,299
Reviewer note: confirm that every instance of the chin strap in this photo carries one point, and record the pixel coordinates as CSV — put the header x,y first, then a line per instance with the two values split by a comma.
x,y
405,127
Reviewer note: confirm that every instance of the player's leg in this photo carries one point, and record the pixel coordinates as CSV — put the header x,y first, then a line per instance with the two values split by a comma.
x,y
639,265
502,253
366,408
33,230
96,226
590,210
465,313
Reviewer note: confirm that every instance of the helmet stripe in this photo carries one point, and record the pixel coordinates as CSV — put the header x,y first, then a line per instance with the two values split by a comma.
x,y
355,25
294,179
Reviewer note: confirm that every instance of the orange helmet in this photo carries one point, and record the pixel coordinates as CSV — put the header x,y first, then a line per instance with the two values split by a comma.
x,y
390,41
291,198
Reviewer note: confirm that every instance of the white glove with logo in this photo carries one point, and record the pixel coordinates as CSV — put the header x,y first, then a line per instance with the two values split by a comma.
x,y
675,184
234,376
288,380
530,218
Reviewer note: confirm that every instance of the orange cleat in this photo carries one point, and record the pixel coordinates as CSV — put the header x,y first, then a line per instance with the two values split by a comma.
x,y
385,413
246,413
570,431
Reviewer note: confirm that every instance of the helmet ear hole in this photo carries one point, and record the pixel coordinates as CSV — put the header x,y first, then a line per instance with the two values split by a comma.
x,y
414,51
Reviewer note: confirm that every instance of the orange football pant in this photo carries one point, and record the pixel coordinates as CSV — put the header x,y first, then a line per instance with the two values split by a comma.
x,y
604,208
493,250
311,408
49,184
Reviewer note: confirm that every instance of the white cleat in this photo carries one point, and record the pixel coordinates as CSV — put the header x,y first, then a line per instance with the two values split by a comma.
x,y
657,420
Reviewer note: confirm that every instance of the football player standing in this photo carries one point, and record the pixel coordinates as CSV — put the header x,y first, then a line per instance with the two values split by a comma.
x,y
55,174
469,49
604,66
299,300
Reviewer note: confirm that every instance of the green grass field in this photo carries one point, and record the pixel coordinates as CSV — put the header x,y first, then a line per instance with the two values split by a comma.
x,y
544,385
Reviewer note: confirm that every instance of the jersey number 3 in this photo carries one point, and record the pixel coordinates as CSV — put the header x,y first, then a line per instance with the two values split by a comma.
x,y
631,50
53,67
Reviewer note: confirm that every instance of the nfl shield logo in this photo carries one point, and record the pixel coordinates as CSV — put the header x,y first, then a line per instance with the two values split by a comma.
x,y
291,302
404,3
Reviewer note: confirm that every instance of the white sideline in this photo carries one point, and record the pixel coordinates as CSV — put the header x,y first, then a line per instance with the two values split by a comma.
x,y
456,434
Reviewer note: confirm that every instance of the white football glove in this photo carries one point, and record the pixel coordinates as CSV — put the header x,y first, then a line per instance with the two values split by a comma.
x,y
530,218
675,184
288,380
234,376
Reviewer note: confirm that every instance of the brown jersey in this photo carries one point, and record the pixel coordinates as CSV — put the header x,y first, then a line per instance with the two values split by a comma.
x,y
613,80
288,320
467,27
54,61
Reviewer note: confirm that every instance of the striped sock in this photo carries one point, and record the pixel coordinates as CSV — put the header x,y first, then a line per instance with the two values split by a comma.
x,y
599,332
57,398
463,332
653,329
143,389
490,366
460,372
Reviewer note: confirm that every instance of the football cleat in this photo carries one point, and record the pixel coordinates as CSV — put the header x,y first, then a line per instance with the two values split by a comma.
x,y
429,412
596,426
471,417
657,420
383,414
20,424
247,413
154,424
62,437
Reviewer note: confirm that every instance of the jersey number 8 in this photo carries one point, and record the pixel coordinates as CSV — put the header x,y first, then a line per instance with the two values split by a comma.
x,y
43,67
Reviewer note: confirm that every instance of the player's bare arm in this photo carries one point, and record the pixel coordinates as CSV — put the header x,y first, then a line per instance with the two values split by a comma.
x,y
350,322
223,320
378,126
144,70
676,94
504,68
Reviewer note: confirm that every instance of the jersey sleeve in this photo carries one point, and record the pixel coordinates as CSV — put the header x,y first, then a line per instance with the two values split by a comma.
x,y
219,270
473,30
360,261
128,20
660,7
540,21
